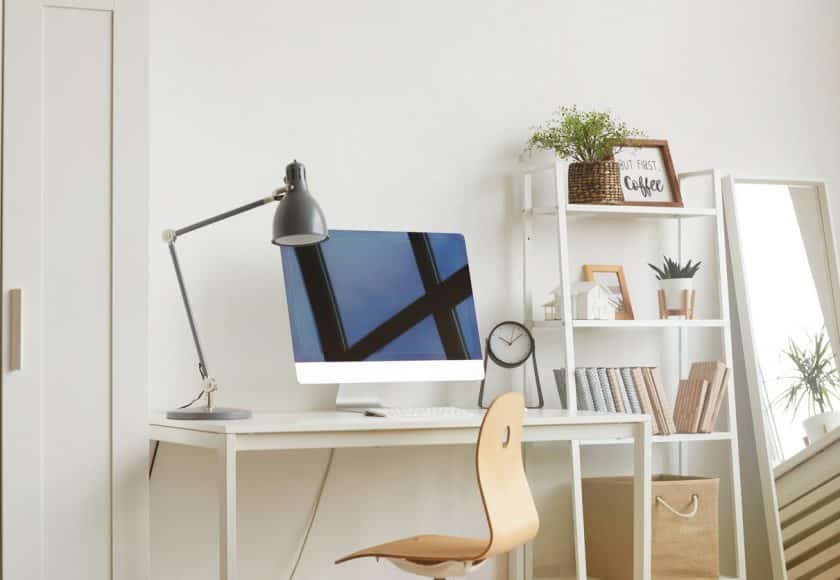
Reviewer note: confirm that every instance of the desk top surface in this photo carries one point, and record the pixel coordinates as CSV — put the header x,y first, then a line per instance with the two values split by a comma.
x,y
307,421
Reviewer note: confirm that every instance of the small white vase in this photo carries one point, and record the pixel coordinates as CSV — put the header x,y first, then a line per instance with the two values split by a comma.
x,y
673,288
818,426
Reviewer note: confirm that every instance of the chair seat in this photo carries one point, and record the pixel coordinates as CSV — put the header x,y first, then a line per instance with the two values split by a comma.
x,y
426,549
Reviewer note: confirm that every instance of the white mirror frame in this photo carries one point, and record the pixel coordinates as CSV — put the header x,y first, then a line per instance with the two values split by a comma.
x,y
765,467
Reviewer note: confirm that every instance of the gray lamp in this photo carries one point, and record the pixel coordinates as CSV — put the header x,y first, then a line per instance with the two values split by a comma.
x,y
298,221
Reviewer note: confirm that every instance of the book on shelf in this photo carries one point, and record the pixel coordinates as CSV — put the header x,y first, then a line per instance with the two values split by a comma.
x,y
700,397
667,408
684,407
655,404
659,402
560,379
584,399
612,407
596,390
583,392
713,406
619,396
630,389
644,399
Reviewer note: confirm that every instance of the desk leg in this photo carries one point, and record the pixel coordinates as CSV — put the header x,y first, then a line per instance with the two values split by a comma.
x,y
577,512
227,507
642,511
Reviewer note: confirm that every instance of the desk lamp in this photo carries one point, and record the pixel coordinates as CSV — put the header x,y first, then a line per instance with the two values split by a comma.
x,y
298,221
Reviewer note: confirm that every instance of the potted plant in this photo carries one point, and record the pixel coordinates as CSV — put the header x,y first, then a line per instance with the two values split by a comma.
x,y
815,383
588,139
674,280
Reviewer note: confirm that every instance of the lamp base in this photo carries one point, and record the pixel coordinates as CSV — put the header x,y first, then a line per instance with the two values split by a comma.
x,y
205,414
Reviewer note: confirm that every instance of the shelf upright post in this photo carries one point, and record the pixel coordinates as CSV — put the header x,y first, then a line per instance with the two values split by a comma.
x,y
523,558
731,419
527,234
562,199
577,513
527,237
682,343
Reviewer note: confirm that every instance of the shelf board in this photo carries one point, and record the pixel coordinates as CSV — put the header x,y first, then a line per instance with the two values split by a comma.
x,y
579,209
660,439
655,323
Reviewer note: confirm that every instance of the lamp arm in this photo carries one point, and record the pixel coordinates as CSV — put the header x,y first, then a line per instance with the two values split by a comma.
x,y
202,366
278,194
170,236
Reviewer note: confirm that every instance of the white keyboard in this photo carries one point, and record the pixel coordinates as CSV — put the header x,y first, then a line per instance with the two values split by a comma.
x,y
422,412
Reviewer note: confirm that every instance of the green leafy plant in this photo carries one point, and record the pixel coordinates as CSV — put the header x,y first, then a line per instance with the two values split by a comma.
x,y
816,380
671,269
582,136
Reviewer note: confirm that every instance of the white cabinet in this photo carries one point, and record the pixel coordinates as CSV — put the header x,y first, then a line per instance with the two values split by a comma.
x,y
74,270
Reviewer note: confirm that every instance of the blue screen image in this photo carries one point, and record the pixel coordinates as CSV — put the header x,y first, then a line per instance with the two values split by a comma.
x,y
381,296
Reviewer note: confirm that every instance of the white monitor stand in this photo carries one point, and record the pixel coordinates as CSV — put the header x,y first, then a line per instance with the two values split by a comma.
x,y
352,397
376,395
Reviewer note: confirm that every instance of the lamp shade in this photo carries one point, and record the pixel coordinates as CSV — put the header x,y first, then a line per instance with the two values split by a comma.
x,y
298,220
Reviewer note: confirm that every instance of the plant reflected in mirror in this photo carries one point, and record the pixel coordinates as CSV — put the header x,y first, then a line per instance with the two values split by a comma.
x,y
816,381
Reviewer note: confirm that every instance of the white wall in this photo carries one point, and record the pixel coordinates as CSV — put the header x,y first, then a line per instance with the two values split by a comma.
x,y
408,115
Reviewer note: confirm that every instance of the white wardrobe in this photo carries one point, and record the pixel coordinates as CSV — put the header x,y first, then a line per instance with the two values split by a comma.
x,y
74,277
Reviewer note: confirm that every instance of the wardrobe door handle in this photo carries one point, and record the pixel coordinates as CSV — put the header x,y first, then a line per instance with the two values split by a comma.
x,y
15,315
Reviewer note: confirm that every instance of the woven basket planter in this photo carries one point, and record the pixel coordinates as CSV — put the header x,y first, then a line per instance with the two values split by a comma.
x,y
595,182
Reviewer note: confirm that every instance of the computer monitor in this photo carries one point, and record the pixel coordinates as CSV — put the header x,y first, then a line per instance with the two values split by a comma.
x,y
373,307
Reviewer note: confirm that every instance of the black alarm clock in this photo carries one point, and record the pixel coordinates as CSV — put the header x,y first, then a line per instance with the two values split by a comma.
x,y
510,345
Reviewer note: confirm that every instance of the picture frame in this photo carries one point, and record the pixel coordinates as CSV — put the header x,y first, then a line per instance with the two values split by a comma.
x,y
613,278
647,173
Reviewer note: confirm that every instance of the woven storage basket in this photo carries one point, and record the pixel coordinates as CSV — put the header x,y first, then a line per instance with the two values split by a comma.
x,y
684,543
595,182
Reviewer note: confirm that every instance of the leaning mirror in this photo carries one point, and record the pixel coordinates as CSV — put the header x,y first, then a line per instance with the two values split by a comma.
x,y
784,267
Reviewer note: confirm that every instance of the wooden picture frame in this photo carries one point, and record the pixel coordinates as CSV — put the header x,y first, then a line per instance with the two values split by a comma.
x,y
656,168
591,274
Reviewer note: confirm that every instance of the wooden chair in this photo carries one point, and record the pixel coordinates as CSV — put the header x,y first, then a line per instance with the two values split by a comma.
x,y
508,505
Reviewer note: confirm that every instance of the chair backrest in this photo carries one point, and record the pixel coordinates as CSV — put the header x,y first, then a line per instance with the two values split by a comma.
x,y
508,503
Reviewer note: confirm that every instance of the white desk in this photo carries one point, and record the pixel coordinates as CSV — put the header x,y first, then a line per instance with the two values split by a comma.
x,y
318,430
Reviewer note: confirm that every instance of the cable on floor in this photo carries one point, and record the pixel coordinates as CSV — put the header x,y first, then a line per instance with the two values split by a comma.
x,y
312,515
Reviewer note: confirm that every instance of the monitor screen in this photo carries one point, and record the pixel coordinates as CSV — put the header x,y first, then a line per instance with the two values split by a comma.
x,y
367,297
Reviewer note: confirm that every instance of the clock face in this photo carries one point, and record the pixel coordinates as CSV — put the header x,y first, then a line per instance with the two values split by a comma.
x,y
510,344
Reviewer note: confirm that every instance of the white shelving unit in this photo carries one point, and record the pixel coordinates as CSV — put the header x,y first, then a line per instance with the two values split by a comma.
x,y
564,213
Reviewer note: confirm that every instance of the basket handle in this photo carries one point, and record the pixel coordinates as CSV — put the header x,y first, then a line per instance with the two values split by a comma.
x,y
695,505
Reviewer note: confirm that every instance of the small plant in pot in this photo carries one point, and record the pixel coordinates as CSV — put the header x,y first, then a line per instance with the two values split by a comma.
x,y
588,139
815,383
676,281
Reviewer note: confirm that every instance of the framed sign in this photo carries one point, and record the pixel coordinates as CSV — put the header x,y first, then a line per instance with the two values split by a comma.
x,y
613,278
647,173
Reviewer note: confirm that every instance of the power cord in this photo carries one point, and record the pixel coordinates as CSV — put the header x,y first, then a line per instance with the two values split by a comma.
x,y
193,402
154,458
312,515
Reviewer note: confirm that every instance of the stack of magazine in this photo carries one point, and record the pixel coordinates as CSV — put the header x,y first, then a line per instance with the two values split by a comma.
x,y
699,398
621,390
